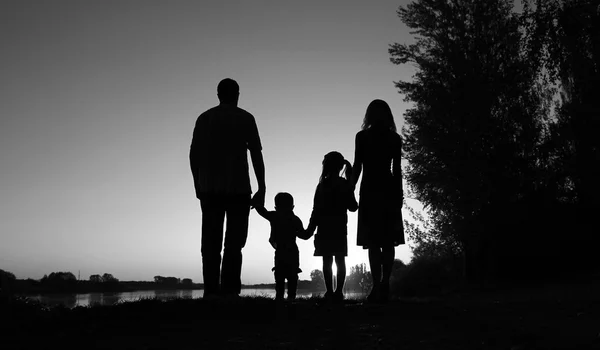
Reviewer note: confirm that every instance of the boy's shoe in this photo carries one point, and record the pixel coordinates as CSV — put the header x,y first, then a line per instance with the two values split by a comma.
x,y
328,295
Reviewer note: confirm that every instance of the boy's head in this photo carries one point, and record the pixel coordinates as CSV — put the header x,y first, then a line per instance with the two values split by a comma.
x,y
284,201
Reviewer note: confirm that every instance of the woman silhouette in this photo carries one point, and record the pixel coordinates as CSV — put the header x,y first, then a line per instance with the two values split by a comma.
x,y
378,150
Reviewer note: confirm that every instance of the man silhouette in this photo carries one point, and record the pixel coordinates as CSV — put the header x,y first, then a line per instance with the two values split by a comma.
x,y
219,163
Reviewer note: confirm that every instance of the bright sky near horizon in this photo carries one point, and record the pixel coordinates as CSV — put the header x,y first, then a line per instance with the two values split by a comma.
x,y
98,101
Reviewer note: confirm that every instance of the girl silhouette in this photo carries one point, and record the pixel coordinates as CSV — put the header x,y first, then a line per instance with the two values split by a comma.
x,y
377,154
334,196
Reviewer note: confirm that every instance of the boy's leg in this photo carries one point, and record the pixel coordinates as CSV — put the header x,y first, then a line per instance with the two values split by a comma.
x,y
292,285
279,284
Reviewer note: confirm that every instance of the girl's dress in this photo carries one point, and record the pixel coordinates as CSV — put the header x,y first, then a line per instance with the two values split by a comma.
x,y
333,198
379,214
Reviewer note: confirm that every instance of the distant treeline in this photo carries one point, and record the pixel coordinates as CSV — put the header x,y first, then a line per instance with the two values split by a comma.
x,y
66,282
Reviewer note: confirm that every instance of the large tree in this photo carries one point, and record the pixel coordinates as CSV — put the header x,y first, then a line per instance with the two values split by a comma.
x,y
476,121
571,52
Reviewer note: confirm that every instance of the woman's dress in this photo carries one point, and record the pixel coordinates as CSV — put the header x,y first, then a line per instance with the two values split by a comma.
x,y
379,212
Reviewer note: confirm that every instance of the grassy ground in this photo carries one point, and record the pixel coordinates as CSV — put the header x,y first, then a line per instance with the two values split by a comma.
x,y
565,316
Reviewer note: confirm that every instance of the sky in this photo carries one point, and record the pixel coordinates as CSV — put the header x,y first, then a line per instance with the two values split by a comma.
x,y
98,101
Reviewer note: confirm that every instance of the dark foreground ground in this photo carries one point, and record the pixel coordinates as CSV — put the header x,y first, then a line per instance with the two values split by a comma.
x,y
565,316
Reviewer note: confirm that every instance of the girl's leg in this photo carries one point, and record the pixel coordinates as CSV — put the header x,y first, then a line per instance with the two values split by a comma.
x,y
375,263
328,274
340,263
387,255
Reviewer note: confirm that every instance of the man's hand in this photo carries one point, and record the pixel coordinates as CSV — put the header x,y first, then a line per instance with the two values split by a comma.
x,y
258,200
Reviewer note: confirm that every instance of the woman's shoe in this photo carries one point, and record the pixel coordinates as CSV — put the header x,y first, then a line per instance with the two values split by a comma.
x,y
384,293
374,295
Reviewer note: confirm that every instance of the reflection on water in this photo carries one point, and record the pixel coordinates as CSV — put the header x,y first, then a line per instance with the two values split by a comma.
x,y
73,300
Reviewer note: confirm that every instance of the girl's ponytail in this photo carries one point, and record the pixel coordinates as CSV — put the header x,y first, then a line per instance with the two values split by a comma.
x,y
347,170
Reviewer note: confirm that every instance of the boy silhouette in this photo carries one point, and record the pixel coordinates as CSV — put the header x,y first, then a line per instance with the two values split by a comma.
x,y
285,227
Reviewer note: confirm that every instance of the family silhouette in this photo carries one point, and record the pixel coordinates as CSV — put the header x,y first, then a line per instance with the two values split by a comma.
x,y
218,159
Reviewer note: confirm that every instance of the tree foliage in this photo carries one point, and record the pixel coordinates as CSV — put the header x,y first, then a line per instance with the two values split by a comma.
x,y
317,280
487,154
359,279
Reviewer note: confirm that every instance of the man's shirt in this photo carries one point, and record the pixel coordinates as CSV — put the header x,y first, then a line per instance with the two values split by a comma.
x,y
218,154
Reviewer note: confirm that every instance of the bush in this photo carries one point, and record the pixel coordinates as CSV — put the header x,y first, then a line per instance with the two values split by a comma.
x,y
426,276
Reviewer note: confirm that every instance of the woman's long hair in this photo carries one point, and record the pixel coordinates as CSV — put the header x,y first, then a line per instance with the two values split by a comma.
x,y
379,115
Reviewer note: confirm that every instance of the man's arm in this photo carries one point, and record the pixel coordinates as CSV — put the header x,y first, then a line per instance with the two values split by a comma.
x,y
258,200
255,148
194,164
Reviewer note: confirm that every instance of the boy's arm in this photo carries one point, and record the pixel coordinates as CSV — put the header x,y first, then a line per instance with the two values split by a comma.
x,y
262,211
302,233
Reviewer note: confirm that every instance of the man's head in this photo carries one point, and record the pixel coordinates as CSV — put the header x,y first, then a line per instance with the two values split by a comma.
x,y
284,201
228,91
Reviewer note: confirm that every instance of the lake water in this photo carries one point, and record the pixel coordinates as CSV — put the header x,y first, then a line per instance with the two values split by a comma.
x,y
87,299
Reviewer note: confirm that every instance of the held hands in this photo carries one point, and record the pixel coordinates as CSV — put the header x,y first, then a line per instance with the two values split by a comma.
x,y
258,200
310,230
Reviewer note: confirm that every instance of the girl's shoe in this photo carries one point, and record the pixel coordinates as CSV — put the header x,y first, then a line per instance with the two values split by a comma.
x,y
338,297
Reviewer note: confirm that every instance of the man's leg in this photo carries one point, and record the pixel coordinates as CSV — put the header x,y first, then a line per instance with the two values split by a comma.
x,y
236,233
213,216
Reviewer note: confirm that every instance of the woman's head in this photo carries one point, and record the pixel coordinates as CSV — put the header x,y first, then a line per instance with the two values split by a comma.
x,y
333,162
379,115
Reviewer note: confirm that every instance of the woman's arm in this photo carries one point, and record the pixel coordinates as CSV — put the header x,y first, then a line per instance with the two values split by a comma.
x,y
351,200
357,167
397,165
315,215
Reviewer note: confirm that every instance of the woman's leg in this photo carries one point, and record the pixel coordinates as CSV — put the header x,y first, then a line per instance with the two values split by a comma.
x,y
375,264
340,263
328,274
387,255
